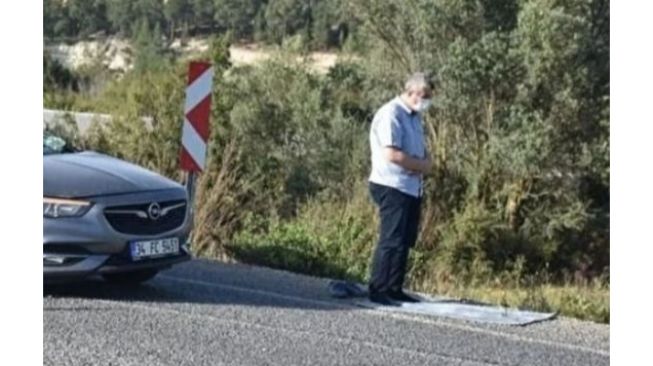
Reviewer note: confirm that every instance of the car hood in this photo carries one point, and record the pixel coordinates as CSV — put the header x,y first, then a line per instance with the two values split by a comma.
x,y
89,174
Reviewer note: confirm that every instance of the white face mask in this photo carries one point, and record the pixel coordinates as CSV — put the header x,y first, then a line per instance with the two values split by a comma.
x,y
423,105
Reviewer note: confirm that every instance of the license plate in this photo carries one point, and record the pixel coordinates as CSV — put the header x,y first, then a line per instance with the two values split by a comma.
x,y
154,248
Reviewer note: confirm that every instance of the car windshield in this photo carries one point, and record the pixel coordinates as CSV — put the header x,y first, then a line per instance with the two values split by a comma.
x,y
53,144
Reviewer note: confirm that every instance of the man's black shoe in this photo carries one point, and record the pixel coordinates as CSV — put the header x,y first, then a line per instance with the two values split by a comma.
x,y
401,296
381,299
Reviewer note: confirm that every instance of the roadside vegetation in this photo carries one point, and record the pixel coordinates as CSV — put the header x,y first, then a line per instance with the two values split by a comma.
x,y
517,207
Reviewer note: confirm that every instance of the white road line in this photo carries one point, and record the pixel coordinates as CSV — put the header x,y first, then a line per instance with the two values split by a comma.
x,y
393,315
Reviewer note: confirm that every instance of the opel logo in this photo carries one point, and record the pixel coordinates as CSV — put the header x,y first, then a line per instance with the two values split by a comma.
x,y
154,211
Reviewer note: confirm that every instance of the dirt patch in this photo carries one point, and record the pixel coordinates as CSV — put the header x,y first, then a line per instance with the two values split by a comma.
x,y
116,54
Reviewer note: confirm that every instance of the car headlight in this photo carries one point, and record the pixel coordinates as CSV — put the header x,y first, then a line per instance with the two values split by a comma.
x,y
55,207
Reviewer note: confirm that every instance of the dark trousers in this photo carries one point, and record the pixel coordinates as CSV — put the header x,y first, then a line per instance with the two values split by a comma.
x,y
399,227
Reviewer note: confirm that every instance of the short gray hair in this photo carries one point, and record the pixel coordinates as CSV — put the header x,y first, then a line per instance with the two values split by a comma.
x,y
418,81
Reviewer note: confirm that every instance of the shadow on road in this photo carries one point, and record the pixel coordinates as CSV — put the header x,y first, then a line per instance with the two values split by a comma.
x,y
208,282
98,289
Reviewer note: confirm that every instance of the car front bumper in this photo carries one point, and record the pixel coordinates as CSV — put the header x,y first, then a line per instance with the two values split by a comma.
x,y
97,264
76,248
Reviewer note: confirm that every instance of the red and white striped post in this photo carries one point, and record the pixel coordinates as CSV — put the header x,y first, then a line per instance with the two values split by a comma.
x,y
195,133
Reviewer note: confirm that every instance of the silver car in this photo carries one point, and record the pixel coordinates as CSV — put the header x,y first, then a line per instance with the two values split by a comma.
x,y
104,216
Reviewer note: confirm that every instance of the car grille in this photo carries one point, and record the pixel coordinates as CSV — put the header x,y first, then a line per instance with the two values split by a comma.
x,y
69,249
135,219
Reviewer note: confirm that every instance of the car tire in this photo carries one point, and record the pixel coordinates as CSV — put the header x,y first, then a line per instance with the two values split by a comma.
x,y
130,278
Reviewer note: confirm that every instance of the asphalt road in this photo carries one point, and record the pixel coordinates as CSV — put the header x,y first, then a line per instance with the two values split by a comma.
x,y
209,313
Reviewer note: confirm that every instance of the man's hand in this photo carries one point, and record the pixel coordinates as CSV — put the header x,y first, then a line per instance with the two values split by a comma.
x,y
427,164
413,165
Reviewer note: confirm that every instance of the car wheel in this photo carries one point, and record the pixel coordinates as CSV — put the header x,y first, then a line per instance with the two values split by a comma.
x,y
131,278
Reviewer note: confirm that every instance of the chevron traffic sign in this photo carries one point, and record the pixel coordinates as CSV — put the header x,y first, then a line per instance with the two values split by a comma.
x,y
197,109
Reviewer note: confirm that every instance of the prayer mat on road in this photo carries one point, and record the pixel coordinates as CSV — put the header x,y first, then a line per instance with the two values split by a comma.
x,y
443,307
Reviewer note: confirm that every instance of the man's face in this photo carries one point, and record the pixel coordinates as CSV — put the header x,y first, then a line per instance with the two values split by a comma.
x,y
415,97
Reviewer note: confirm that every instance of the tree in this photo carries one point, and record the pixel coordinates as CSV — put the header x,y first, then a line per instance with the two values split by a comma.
x,y
90,16
330,23
149,47
285,18
178,13
204,11
237,16
121,15
53,13
152,10
125,14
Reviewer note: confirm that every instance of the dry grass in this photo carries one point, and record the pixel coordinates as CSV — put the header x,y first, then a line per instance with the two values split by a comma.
x,y
217,206
586,301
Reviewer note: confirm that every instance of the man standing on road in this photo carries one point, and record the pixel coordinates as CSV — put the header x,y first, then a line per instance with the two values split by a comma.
x,y
399,163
